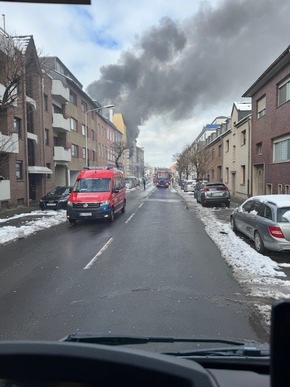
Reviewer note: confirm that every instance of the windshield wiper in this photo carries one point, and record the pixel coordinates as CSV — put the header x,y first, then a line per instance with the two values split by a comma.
x,y
244,350
126,340
230,348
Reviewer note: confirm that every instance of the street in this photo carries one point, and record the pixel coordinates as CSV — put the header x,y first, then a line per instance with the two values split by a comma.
x,y
154,271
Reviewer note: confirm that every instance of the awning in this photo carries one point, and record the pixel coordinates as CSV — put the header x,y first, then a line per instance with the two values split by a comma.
x,y
39,170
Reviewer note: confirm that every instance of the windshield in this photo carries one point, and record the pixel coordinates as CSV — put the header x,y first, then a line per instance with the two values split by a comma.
x,y
189,92
92,185
59,191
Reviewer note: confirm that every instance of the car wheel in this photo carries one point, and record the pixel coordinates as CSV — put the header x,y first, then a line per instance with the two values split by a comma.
x,y
233,224
228,205
124,207
202,202
72,221
259,245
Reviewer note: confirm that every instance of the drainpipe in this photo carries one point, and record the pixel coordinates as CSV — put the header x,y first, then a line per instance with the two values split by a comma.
x,y
249,189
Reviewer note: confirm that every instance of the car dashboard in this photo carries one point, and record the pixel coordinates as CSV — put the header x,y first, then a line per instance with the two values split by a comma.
x,y
74,364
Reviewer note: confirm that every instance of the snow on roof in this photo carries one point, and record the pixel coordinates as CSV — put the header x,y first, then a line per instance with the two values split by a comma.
x,y
243,106
280,200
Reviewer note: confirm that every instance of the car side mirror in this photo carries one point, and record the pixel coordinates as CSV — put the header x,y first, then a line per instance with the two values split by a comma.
x,y
115,190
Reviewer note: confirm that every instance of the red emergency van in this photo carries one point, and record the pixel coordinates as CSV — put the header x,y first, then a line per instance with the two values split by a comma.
x,y
98,193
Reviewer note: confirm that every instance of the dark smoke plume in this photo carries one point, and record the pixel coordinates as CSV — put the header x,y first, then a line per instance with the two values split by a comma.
x,y
178,68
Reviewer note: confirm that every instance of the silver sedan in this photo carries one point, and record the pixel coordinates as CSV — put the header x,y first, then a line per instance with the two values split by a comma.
x,y
266,220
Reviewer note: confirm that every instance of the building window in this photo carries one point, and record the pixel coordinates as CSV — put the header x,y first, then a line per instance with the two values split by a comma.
x,y
212,154
220,150
84,107
46,137
284,92
259,148
227,175
45,102
227,145
281,151
84,153
73,98
219,173
57,109
74,150
268,189
280,189
83,129
17,126
287,189
234,153
19,170
93,134
243,137
261,107
73,124
49,175
243,174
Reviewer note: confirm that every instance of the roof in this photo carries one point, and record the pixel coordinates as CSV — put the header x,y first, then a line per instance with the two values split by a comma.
x,y
280,200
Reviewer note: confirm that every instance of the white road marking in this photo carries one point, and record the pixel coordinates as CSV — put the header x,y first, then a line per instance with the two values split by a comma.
x,y
98,254
130,217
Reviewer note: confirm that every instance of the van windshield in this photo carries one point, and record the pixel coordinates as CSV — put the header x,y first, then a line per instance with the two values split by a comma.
x,y
92,185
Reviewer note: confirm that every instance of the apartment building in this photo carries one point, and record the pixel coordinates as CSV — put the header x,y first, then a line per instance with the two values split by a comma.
x,y
26,163
236,150
82,134
270,149
49,127
228,150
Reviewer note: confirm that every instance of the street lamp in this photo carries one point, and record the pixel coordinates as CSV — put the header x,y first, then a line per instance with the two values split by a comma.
x,y
86,125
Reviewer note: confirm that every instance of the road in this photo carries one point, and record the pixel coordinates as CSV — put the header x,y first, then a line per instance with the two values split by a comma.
x,y
154,271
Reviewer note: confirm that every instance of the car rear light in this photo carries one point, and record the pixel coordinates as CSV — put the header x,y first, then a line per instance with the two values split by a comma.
x,y
276,232
206,189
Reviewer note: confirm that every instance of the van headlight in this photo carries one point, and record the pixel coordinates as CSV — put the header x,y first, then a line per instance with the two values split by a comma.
x,y
105,203
69,204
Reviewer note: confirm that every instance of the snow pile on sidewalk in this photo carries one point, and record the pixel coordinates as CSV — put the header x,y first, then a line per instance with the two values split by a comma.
x,y
40,220
262,277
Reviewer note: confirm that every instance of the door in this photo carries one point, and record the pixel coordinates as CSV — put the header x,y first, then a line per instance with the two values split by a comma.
x,y
258,180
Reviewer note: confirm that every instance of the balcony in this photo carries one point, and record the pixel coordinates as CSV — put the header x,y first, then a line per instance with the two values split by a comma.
x,y
59,91
9,144
5,190
62,154
60,123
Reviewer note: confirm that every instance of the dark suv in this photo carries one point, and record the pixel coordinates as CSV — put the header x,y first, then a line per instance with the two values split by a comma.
x,y
55,199
212,193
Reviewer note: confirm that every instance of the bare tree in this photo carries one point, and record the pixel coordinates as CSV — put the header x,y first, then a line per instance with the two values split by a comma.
x,y
199,160
118,148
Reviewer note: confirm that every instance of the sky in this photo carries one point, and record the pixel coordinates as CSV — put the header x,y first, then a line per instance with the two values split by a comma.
x,y
263,279
170,67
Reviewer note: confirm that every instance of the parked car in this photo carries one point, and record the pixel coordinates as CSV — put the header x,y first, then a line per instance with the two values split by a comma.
x,y
266,220
55,199
189,185
212,193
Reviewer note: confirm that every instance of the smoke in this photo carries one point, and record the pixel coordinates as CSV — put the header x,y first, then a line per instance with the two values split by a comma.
x,y
179,67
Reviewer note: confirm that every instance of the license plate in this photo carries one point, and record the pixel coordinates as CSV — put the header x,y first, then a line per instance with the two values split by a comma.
x,y
86,214
217,194
51,204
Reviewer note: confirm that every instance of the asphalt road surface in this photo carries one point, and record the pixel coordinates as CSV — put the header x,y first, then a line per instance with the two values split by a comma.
x,y
154,271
